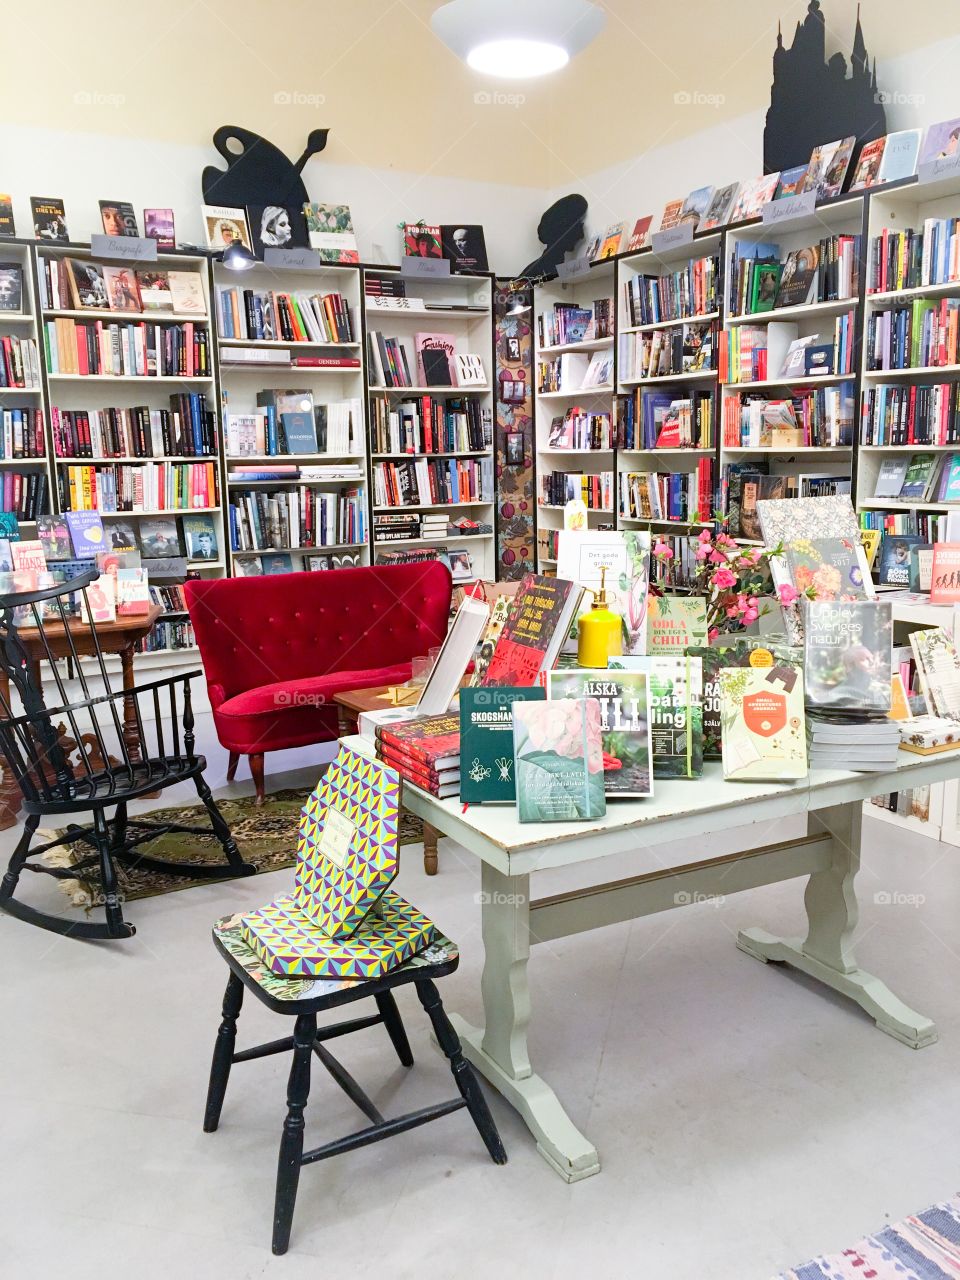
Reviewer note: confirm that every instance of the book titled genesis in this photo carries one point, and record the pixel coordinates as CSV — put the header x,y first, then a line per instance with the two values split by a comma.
x,y
764,736
625,717
486,742
558,757
848,655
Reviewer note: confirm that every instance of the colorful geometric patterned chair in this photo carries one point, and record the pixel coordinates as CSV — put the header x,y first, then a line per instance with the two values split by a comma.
x,y
341,936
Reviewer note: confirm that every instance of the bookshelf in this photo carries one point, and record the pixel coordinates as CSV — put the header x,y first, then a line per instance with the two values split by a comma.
x,y
669,309
131,401
428,443
26,477
574,342
291,369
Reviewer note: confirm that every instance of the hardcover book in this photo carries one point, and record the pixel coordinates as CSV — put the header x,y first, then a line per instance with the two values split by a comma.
x,y
421,240
274,227
828,167
676,711
638,237
98,603
225,226
938,668
791,182
799,277
86,533
159,537
625,720
123,293
201,537
28,557
764,738
945,573
159,225
539,620
133,593
867,171
7,226
848,655
832,567
674,623
486,742
118,218
895,553
499,612
186,292
558,760
434,741
696,205
745,651
720,206
330,231
940,141
900,155
54,535
87,285
11,286
154,289
610,243
435,359
626,557
671,215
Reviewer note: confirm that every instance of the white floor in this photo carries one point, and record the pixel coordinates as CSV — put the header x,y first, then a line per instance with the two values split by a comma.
x,y
745,1119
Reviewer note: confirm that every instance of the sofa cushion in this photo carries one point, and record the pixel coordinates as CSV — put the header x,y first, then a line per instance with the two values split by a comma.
x,y
294,713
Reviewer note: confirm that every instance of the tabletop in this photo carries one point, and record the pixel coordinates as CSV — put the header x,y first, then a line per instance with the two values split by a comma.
x,y
681,808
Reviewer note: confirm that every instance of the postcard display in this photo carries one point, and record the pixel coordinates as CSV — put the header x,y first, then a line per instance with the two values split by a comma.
x,y
342,920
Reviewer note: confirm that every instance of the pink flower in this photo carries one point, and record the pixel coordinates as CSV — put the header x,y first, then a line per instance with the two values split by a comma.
x,y
724,578
751,615
717,557
701,552
713,633
787,594
705,535
662,551
732,611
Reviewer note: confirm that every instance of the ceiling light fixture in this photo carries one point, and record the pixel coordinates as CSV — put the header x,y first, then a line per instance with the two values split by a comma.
x,y
517,39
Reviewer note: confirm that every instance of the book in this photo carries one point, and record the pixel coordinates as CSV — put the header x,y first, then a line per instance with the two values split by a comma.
x,y
799,278
638,236
764,286
625,555
558,760
625,719
98,603
469,370
890,478
274,227
499,612
27,556
921,567
828,167
86,533
9,526
763,735
330,232
435,359
454,657
676,711
895,549
123,292
536,627
86,281
739,651
154,290
791,182
49,218
949,487
900,155
133,593
186,292
434,741
160,537
7,226
940,141
421,240
200,534
920,476
118,218
938,669
945,573
675,622
696,205
848,655
159,225
11,286
54,535
225,225
721,204
867,172
464,247
752,196
671,215
610,242
831,567
486,742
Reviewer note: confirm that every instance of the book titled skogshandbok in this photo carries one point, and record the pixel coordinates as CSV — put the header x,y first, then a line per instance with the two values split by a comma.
x,y
559,760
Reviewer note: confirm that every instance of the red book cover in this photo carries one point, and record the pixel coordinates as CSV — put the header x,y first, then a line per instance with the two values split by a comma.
x,y
434,740
415,770
325,362
523,646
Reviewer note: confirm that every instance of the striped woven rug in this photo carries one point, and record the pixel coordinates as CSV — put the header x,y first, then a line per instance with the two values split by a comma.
x,y
924,1247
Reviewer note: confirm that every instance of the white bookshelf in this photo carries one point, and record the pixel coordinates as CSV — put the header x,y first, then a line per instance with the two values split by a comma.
x,y
22,325
243,380
462,307
552,407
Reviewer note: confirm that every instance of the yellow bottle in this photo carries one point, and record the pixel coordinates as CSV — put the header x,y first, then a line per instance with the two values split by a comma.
x,y
599,630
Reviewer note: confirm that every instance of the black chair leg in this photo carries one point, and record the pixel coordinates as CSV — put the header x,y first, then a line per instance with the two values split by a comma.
x,y
221,830
116,925
223,1053
291,1141
19,857
463,1073
395,1028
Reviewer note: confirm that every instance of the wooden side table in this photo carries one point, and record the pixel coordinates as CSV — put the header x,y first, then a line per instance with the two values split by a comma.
x,y
349,706
115,637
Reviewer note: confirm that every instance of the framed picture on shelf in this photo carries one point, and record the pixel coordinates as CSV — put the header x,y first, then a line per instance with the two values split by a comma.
x,y
317,564
249,567
461,565
513,349
514,451
277,563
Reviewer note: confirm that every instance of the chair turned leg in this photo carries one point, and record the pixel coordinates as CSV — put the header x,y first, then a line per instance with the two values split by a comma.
x,y
232,765
221,830
395,1028
256,769
116,925
463,1073
291,1141
18,858
223,1053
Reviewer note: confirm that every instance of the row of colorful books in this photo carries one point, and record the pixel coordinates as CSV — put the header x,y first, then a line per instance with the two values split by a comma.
x,y
125,350
568,323
19,365
658,495
665,421
824,272
21,433
436,362
422,424
921,335
920,477
292,423
580,429
682,294
909,259
23,493
275,316
154,486
74,284
663,353
301,516
433,481
186,429
921,413
815,416
594,489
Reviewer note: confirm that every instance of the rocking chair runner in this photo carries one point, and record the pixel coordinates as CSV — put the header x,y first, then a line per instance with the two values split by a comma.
x,y
117,760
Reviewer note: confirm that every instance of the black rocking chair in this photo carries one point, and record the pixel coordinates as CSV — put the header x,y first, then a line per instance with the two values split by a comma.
x,y
116,760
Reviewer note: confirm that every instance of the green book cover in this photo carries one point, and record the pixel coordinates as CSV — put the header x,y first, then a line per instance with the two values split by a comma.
x,y
623,697
745,651
674,623
558,757
486,742
676,711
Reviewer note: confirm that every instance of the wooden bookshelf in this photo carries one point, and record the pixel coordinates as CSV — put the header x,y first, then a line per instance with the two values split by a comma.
x,y
461,306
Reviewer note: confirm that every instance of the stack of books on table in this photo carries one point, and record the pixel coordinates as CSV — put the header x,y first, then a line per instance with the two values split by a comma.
x,y
425,752
848,660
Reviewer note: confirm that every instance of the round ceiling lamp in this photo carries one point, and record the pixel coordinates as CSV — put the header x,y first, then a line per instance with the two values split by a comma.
x,y
517,39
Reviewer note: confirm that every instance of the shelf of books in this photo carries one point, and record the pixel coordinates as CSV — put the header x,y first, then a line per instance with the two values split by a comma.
x,y
128,368
789,359
669,307
25,474
430,386
290,356
575,356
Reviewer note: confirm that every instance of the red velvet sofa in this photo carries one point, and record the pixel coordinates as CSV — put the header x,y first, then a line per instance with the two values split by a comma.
x,y
276,649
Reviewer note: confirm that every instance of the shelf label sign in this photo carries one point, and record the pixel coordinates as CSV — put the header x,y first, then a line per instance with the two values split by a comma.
x,y
941,167
432,268
124,248
302,259
674,238
777,211
573,269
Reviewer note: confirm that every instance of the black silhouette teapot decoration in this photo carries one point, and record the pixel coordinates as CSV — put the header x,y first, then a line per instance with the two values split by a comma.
x,y
258,173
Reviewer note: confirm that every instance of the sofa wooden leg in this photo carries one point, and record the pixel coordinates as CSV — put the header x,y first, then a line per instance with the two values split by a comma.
x,y
429,849
232,765
256,769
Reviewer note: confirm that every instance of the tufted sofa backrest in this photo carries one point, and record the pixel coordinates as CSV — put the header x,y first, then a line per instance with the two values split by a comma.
x,y
257,631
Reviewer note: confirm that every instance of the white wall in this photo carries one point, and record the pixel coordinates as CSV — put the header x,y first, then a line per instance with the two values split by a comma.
x,y
83,167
